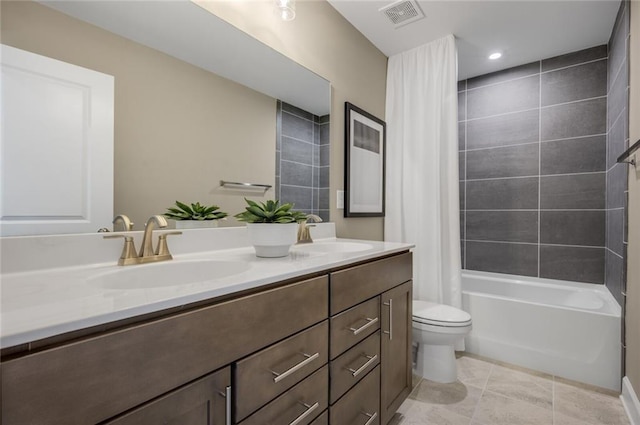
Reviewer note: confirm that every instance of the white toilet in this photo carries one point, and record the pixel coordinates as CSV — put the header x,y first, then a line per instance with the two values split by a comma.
x,y
437,328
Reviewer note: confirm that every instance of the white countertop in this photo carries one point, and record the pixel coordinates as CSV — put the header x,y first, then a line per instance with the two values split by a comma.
x,y
37,304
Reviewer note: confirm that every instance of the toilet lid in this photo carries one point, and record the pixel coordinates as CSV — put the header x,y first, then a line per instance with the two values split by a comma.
x,y
439,314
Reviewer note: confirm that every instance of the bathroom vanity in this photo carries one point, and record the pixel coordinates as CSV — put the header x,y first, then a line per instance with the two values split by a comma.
x,y
330,345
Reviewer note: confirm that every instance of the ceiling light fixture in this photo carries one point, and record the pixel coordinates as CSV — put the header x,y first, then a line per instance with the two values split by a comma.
x,y
494,56
286,9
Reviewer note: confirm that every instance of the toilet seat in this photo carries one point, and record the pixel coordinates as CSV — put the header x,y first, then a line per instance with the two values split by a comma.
x,y
439,315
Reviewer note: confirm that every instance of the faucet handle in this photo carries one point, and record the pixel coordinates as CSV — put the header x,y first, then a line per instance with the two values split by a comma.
x,y
128,255
163,248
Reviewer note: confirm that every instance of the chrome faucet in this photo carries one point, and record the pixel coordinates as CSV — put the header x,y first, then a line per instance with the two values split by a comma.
x,y
147,253
304,236
127,225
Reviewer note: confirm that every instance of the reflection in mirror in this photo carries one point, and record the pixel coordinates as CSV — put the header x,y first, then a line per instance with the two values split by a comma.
x,y
302,159
181,125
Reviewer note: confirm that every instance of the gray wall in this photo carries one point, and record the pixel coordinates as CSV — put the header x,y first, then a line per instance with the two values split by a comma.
x,y
533,168
302,159
617,143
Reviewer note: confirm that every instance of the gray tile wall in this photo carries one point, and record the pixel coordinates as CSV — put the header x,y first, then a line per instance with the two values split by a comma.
x,y
302,159
533,168
617,143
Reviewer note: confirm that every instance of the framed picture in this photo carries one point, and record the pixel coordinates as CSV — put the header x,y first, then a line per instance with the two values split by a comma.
x,y
365,139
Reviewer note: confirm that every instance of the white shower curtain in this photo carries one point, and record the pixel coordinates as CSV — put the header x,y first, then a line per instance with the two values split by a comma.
x,y
422,204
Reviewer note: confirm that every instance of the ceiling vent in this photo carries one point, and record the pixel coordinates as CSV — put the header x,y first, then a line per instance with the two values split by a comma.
x,y
402,12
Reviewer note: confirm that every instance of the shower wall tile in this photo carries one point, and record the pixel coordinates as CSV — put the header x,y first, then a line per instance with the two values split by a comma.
x,y
618,95
510,258
324,177
574,83
582,155
581,56
617,44
323,196
510,129
296,127
300,196
616,186
502,194
573,192
462,164
505,75
617,142
615,229
509,161
617,139
584,118
297,111
462,98
296,150
584,228
579,264
507,97
502,226
533,195
296,174
614,275
302,158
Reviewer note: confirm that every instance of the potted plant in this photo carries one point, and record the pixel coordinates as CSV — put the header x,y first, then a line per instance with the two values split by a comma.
x,y
272,227
195,216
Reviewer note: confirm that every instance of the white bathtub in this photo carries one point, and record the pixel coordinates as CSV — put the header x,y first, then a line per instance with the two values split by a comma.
x,y
567,329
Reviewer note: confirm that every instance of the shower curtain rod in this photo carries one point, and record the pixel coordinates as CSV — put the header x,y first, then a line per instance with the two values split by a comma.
x,y
626,154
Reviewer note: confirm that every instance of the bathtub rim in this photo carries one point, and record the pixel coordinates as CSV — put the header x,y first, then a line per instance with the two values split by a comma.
x,y
613,308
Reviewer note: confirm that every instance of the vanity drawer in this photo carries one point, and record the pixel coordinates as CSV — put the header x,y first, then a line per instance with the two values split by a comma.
x,y
352,366
94,379
322,419
356,284
361,405
352,326
268,373
302,403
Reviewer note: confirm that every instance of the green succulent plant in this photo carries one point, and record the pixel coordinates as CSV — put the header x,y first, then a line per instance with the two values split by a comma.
x,y
194,212
270,212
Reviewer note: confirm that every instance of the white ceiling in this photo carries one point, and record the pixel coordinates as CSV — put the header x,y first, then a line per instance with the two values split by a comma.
x,y
524,31
184,30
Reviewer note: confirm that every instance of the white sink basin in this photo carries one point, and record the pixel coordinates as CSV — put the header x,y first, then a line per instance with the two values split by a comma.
x,y
329,247
170,273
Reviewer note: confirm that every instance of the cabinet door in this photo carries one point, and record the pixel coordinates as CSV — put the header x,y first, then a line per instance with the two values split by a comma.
x,y
395,362
204,402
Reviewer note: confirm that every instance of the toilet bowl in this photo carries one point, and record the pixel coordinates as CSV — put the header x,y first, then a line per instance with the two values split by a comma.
x,y
437,328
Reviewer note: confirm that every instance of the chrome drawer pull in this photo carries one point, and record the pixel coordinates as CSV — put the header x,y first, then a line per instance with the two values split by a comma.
x,y
306,413
369,362
390,331
370,322
280,376
227,406
371,417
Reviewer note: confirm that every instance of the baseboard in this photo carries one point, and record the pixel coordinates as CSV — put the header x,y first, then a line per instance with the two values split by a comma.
x,y
630,401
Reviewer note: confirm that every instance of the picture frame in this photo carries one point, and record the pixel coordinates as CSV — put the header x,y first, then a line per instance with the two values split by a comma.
x,y
365,154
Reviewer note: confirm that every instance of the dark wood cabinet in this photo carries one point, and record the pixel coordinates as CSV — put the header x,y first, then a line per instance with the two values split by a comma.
x,y
395,362
265,357
204,402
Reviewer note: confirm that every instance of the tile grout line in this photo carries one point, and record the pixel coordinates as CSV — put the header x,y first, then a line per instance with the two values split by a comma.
x,y
466,97
484,388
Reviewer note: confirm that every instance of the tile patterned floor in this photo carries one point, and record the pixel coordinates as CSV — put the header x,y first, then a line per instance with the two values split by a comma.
x,y
494,393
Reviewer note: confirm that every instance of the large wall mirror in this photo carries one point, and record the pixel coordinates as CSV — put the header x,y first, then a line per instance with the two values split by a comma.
x,y
196,100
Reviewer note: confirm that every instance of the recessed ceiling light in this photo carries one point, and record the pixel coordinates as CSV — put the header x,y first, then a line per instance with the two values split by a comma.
x,y
494,56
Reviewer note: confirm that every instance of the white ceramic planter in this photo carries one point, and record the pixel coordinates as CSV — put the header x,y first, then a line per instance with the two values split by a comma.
x,y
196,224
272,240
